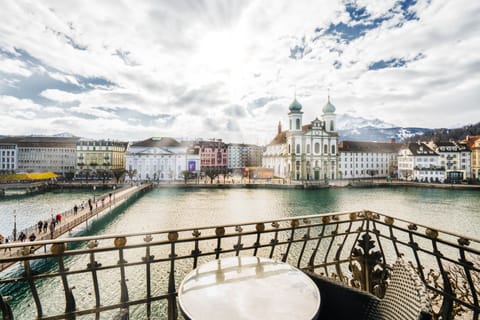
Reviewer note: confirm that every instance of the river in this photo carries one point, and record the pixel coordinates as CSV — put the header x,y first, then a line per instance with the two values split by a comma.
x,y
166,208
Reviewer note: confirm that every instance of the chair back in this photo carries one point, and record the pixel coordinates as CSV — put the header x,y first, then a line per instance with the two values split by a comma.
x,y
406,297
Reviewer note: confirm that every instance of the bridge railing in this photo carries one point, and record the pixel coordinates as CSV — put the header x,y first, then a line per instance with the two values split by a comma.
x,y
137,275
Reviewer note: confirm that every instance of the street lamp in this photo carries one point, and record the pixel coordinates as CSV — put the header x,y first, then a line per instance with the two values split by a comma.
x,y
114,187
14,225
94,188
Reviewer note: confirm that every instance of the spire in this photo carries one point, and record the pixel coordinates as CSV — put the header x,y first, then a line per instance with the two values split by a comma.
x,y
329,95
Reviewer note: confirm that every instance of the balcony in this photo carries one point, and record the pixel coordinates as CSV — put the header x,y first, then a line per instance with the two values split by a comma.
x,y
137,275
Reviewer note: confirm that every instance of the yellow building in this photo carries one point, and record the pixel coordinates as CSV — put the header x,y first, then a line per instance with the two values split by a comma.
x,y
473,142
100,158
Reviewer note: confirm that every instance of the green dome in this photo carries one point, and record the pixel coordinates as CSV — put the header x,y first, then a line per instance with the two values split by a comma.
x,y
295,106
328,108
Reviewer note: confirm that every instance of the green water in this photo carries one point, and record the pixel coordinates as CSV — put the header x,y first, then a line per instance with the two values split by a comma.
x,y
450,210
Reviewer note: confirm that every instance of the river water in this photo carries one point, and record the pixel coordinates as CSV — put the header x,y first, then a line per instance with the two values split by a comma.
x,y
449,210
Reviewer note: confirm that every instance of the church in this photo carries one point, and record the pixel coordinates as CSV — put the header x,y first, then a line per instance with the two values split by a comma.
x,y
305,152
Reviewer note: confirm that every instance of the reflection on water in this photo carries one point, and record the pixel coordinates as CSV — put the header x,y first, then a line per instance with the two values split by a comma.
x,y
451,210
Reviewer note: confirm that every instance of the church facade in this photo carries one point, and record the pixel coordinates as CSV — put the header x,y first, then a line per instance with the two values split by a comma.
x,y
305,152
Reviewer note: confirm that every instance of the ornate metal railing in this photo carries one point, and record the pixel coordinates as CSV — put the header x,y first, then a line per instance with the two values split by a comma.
x,y
136,275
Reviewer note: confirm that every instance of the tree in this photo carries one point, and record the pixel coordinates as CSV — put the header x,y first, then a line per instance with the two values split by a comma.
x,y
118,173
212,173
131,173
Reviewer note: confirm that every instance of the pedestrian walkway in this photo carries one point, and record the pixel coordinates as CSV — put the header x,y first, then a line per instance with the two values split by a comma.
x,y
69,220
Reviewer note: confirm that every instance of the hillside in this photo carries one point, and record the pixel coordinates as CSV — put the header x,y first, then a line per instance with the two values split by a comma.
x,y
444,134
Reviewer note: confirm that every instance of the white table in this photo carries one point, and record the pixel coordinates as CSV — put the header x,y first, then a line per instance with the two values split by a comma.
x,y
248,288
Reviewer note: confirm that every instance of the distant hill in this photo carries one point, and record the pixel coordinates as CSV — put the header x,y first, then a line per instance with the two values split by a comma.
x,y
444,134
360,129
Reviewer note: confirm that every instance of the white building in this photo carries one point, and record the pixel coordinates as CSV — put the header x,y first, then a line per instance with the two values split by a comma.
x,y
8,157
161,159
455,157
242,155
417,162
358,159
44,154
305,152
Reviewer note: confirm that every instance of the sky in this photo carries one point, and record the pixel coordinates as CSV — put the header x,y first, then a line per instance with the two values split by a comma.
x,y
130,70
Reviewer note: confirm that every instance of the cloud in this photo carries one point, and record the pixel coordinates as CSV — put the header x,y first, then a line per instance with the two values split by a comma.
x,y
229,70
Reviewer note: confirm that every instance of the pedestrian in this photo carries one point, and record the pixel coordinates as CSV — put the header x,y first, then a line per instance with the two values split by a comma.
x,y
58,218
45,226
103,202
75,209
9,249
22,237
52,229
82,206
40,226
90,205
32,237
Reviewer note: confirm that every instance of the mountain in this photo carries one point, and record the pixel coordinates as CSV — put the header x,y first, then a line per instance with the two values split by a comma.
x,y
360,129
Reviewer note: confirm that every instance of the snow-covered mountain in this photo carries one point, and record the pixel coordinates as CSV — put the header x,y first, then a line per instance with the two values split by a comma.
x,y
360,129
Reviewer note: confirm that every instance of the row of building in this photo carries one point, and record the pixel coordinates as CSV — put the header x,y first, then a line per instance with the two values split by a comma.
x,y
303,152
152,159
312,152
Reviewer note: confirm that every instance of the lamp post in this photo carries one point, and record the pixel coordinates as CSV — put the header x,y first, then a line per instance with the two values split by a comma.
x,y
94,188
114,187
14,225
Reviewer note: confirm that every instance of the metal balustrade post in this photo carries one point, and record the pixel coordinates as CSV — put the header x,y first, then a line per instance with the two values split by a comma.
x,y
93,265
294,223
31,283
147,259
58,249
172,291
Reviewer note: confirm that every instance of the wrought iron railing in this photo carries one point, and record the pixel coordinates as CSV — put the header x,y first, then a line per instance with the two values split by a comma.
x,y
136,275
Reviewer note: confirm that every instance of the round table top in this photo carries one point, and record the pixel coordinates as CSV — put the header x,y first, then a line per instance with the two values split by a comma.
x,y
248,288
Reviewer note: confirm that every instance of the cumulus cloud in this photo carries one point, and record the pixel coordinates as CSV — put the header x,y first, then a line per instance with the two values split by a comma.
x,y
192,68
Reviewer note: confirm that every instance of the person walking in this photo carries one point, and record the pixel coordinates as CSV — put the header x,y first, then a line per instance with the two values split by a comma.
x,y
45,226
40,226
32,237
52,229
75,209
9,249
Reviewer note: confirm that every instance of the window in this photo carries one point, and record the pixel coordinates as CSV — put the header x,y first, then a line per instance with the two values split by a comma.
x,y
298,149
325,149
290,124
333,149
317,147
308,148
298,124
332,128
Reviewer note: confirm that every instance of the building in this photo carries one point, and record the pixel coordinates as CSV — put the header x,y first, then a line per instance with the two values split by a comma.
x,y
8,158
418,162
243,155
275,154
455,157
305,152
161,159
40,154
359,159
473,143
213,155
100,159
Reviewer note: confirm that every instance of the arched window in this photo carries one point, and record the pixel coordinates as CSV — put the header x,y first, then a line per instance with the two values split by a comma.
x,y
325,149
289,149
298,149
333,149
332,128
317,147
290,124
298,124
308,148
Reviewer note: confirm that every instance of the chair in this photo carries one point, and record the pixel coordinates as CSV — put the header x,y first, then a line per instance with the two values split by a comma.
x,y
405,298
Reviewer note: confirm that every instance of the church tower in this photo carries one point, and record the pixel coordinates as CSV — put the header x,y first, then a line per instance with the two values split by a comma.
x,y
329,116
295,116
